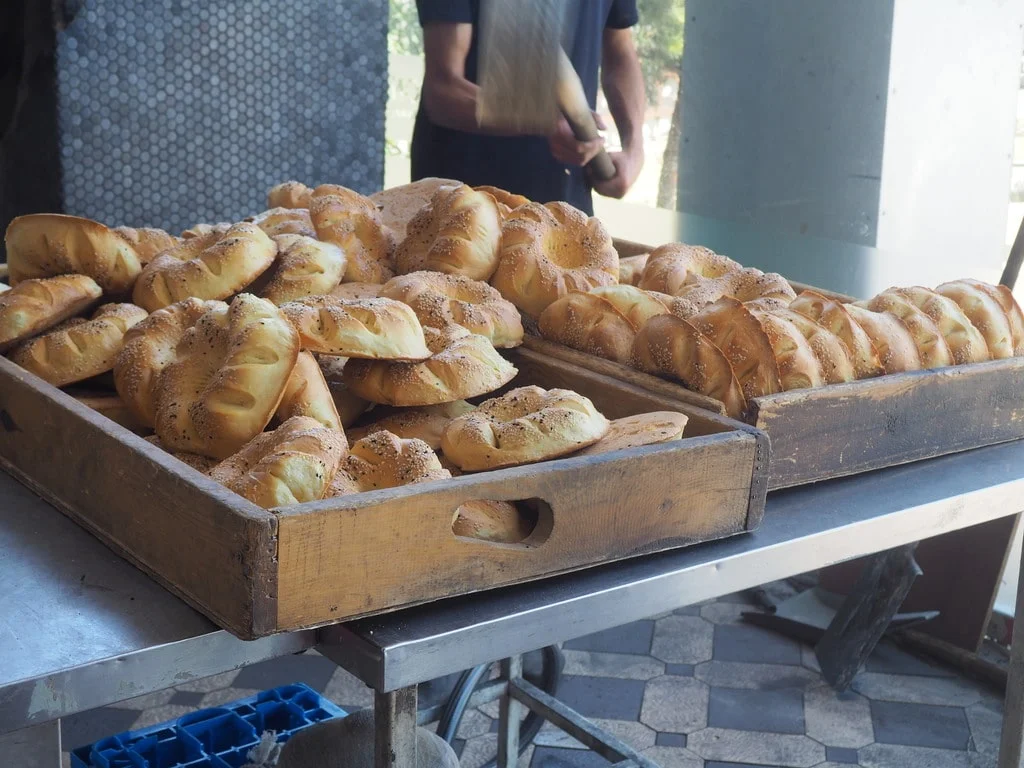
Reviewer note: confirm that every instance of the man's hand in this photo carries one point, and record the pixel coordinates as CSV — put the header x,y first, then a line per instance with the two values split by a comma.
x,y
627,169
567,149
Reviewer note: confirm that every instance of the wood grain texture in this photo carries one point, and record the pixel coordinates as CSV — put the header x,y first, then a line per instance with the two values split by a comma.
x,y
602,508
208,545
849,428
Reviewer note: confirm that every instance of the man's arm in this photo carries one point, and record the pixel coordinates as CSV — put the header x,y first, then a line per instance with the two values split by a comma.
x,y
623,84
448,97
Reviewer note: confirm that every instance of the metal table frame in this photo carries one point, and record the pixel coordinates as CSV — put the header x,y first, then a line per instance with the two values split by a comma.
x,y
106,632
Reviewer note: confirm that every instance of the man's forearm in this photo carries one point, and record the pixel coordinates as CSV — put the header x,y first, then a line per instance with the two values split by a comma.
x,y
623,84
451,102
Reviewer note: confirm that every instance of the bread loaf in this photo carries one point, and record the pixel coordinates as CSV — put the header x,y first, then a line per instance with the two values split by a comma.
x,y
33,306
289,194
304,267
641,429
398,205
589,323
890,337
307,394
147,242
384,460
986,313
734,330
833,316
425,423
353,223
931,347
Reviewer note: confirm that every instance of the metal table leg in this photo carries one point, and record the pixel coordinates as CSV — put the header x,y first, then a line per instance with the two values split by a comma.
x,y
394,724
37,746
1011,747
510,712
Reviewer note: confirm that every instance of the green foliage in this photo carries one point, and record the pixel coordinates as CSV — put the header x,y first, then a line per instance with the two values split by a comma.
x,y
659,41
404,33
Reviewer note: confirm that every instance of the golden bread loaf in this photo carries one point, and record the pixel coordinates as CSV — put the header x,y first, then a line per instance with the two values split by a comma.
x,y
79,349
641,429
33,306
304,267
522,426
349,406
384,460
589,323
399,204
284,221
831,352
374,329
965,342
293,464
147,242
307,394
631,268
833,315
669,346
227,378
440,300
147,348
353,291
550,250
353,223
734,330
289,194
214,266
425,423
896,348
49,244
507,201
462,365
458,232
486,520
798,367
985,312
698,277
204,230
931,347
636,305
199,463
1014,314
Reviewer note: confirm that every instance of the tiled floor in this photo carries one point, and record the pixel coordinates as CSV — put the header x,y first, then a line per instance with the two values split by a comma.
x,y
691,689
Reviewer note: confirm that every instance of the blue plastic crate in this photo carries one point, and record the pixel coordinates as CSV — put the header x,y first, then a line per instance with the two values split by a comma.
x,y
211,738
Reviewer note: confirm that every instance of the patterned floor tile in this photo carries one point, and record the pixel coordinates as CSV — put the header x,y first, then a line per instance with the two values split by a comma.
x,y
745,710
917,690
682,640
478,751
841,755
632,733
986,725
309,668
671,740
186,699
726,613
745,642
756,748
348,692
87,727
627,666
764,677
682,670
838,719
553,757
675,704
673,757
689,610
632,638
920,725
605,697
890,659
894,756
474,723
741,598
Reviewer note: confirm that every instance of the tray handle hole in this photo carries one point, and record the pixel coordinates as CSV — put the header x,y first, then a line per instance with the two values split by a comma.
x,y
525,523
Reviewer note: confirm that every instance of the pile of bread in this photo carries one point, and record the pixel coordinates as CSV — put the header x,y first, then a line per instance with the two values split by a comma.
x,y
328,345
690,314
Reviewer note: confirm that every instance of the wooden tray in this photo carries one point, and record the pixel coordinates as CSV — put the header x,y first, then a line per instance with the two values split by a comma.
x,y
255,571
845,429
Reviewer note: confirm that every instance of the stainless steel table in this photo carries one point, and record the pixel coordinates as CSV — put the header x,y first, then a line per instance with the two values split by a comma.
x,y
80,628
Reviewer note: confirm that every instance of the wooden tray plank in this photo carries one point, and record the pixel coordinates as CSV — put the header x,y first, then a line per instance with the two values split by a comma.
x,y
162,514
322,574
844,429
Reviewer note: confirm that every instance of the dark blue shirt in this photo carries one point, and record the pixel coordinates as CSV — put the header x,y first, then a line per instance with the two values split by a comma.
x,y
521,164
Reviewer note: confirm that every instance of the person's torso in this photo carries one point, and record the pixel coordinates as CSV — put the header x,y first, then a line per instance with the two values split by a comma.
x,y
521,164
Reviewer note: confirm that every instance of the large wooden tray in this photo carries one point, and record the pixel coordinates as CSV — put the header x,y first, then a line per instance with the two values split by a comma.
x,y
845,429
255,571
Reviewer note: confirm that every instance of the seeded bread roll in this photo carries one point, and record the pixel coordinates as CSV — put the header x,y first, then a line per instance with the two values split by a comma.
x,y
49,244
213,266
289,194
440,300
147,242
33,306
398,205
896,348
462,365
79,349
373,329
384,460
353,223
293,464
304,267
425,423
307,394
550,250
985,312
965,342
591,324
834,316
631,268
285,221
226,379
734,329
524,425
641,429
931,346
458,232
